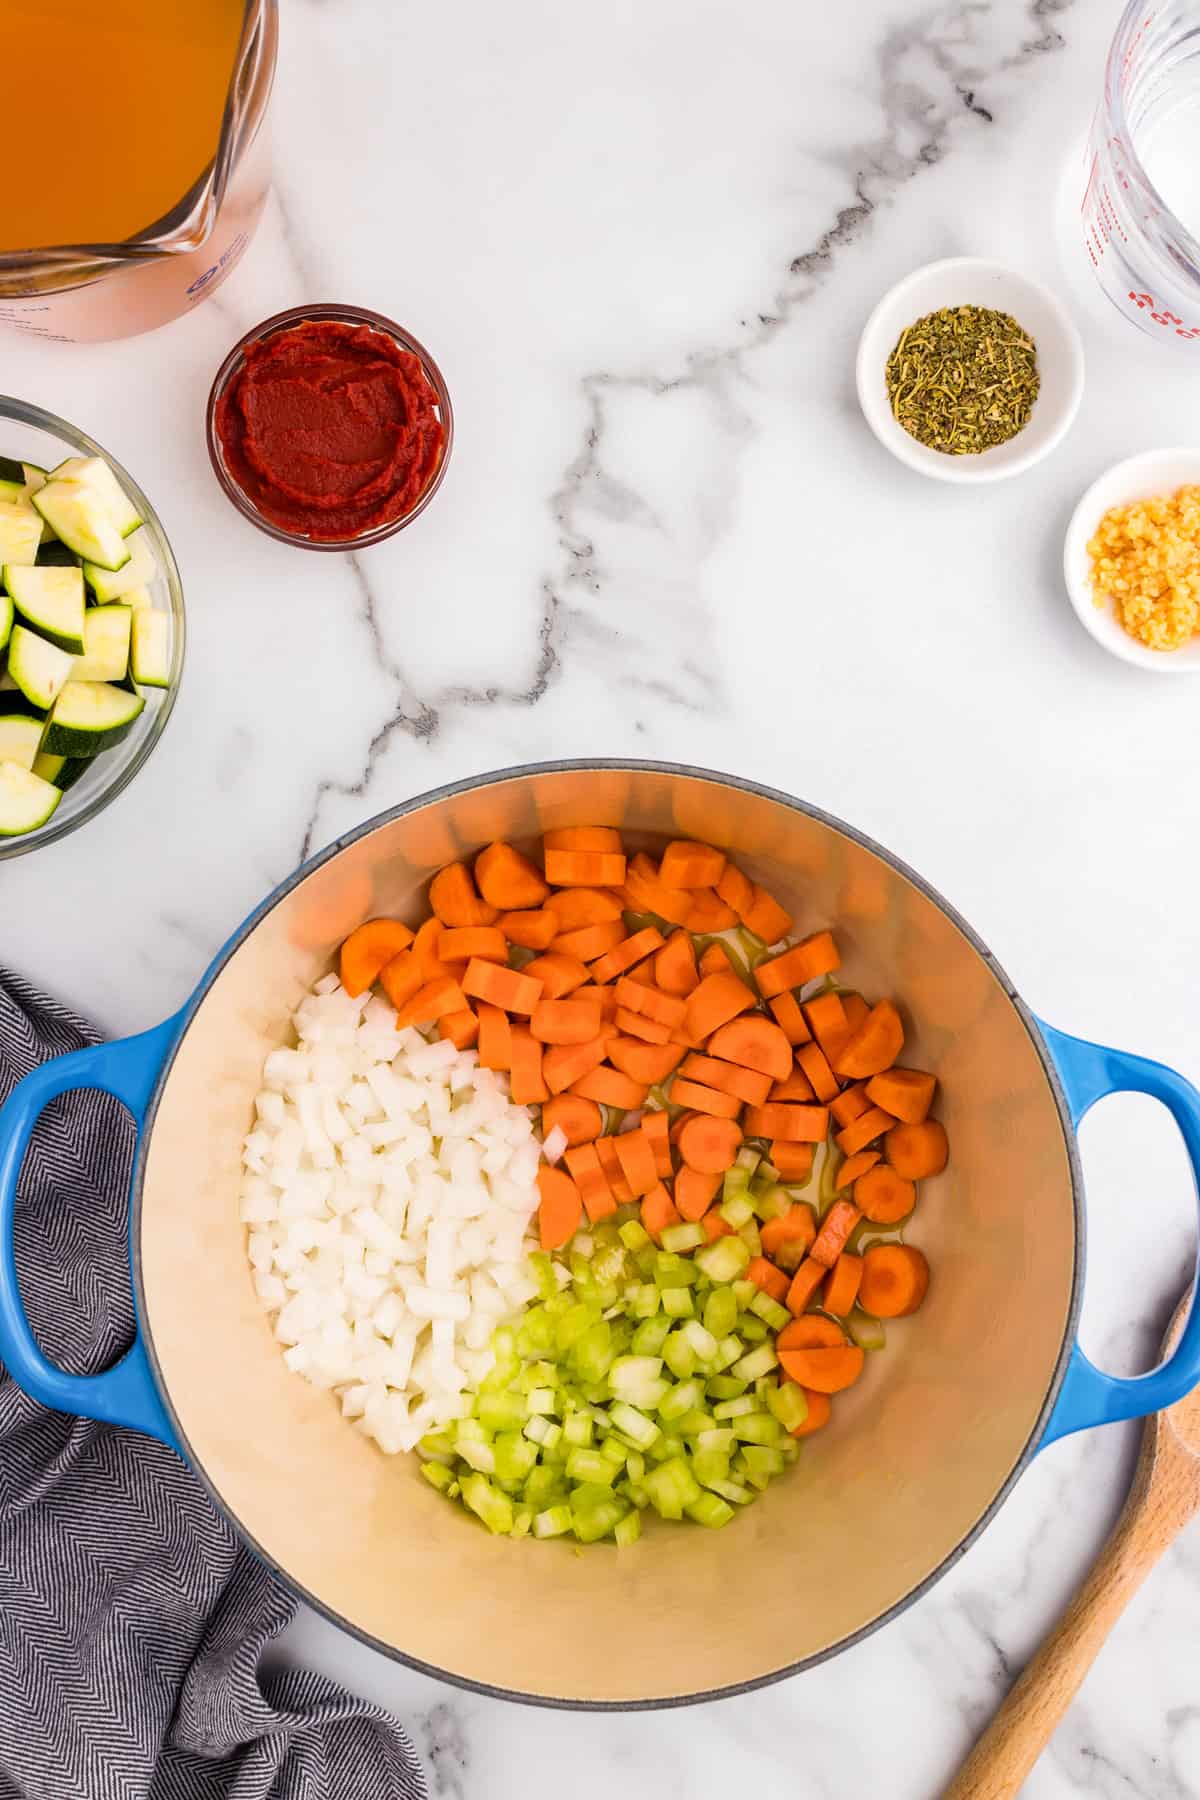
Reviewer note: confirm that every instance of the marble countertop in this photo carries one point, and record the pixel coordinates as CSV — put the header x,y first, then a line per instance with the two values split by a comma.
x,y
641,241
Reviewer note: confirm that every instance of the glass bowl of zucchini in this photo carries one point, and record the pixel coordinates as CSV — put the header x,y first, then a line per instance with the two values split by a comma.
x,y
91,628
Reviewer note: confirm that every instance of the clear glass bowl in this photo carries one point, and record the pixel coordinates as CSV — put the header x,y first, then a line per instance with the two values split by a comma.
x,y
29,434
341,315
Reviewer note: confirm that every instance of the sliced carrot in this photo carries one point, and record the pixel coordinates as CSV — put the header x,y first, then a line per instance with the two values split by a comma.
x,y
714,1225
841,1289
647,892
786,1123
875,1046
709,1145
754,1043
495,1037
526,1082
863,1131
610,1162
460,1028
813,956
767,1278
651,1063
675,965
425,946
688,865
566,1064
577,907
836,1227
584,868
611,1088
636,1156
850,1104
727,1078
797,1086
905,1093
579,1120
462,942
854,1166
401,978
795,1226
507,880
894,1280
695,1191
804,1284
883,1196
632,950
701,1099
718,999
453,899
532,930
560,1208
666,1009
681,1120
794,1161
658,1211
589,1178
643,973
785,1009
855,1009
565,1021
917,1150
766,918
817,1417
366,950
656,1129
634,1025
683,1036
590,941
826,1018
825,1371
501,987
559,974
735,889
811,1332
583,837
442,995
714,961
709,912
812,1059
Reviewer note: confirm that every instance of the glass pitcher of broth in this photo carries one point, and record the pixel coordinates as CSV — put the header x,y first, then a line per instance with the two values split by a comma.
x,y
138,208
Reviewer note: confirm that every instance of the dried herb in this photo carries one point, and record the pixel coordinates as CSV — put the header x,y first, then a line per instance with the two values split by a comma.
x,y
963,379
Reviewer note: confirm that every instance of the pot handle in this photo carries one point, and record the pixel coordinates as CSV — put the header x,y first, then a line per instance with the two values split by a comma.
x,y
126,1394
1089,1397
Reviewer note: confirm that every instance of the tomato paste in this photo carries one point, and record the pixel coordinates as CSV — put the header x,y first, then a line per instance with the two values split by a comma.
x,y
330,429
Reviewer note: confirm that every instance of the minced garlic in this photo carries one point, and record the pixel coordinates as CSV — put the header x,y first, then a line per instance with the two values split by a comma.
x,y
1145,559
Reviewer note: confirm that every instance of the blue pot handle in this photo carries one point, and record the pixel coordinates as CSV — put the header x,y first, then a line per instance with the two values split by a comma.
x,y
1088,1397
125,1394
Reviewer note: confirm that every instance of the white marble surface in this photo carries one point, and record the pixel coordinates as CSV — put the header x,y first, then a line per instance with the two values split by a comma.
x,y
641,241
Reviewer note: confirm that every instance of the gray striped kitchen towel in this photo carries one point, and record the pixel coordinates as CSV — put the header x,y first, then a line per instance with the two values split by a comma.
x,y
132,1622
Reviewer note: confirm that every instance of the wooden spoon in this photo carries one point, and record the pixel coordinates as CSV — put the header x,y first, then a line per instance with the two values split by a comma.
x,y
1164,1496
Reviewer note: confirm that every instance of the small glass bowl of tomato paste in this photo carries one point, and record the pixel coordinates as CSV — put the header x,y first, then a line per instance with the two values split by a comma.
x,y
329,427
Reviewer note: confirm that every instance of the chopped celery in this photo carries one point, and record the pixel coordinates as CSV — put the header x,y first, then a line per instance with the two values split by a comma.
x,y
595,1509
682,1398
763,1459
709,1509
758,1362
578,1430
522,1520
573,1323
718,1438
635,1465
480,1456
488,1503
739,1408
732,1490
867,1333
725,1387
544,1487
541,1400
757,1428
751,1327
628,1530
724,1259
710,1465
542,1270
515,1456
770,1311
592,1354
635,1425
630,1374
671,1487
677,1302
634,1236
553,1522
703,1342
615,1452
651,1335
728,1351
683,1237
694,1422
744,1292
772,1202
593,1466
437,1475
749,1235
543,1431
672,1271
643,1302
678,1355
438,1446
736,1207
720,1312
502,1412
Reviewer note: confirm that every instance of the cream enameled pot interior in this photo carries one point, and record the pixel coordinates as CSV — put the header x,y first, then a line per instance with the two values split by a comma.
x,y
919,1450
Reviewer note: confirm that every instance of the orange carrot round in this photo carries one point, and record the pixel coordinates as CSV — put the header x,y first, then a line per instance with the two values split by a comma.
x,y
708,1100
816,955
615,962
589,1178
501,987
401,978
841,1289
565,1021
636,1025
709,912
863,1131
675,965
727,1078
584,868
425,949
883,1196
635,1153
894,1280
714,961
461,942
656,1128
753,1043
709,1144
650,1063
658,1211
917,1150
854,1166
460,1028
579,1119
583,837
563,1065
826,1371
560,1208
767,1278
789,1124
795,1086
532,930
735,889
453,899
785,1010
442,995
875,1046
715,1226
688,865
794,1161
576,907
819,1409
526,1082
695,1192
591,941
905,1093
559,974
795,1226
766,918
367,949
821,1078
507,880
495,1037
812,1332
611,1088
836,1227
718,999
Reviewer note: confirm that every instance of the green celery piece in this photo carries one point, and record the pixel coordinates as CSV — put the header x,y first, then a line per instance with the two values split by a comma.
x,y
651,1334
579,1318
502,1412
613,1450
719,1438
645,1260
736,1208
488,1503
770,1312
683,1397
674,1271
739,1408
437,1444
754,1477
591,1466
634,1424
542,1269
710,1510
592,1353
745,1291
578,1430
671,1487
522,1520
678,1355
595,1509
702,1341
628,1530
437,1475
763,1459
634,1236
757,1362
554,1522
515,1456
544,1487
724,1259
751,1327
747,1160
757,1428
720,1313
728,1351
635,1465
479,1456
733,1491
538,1429
773,1202
644,1302
866,1332
541,1400
629,1375
538,1374
677,1302
749,1235
694,1422
709,1466
683,1237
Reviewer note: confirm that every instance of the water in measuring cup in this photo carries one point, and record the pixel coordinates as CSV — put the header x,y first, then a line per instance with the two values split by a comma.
x,y
1169,148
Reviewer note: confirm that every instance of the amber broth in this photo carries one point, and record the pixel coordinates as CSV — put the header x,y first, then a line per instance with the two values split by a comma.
x,y
112,111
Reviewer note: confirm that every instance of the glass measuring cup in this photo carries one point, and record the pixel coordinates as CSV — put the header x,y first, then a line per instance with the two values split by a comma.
x,y
1139,214
84,293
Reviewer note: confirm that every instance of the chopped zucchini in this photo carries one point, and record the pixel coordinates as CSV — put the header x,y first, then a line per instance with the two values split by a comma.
x,y
94,472
81,519
19,740
151,658
63,771
20,532
41,670
26,801
55,555
106,635
51,600
109,584
6,618
90,716
18,480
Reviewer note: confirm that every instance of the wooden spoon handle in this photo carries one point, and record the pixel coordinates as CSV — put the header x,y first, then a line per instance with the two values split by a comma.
x,y
1002,1759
